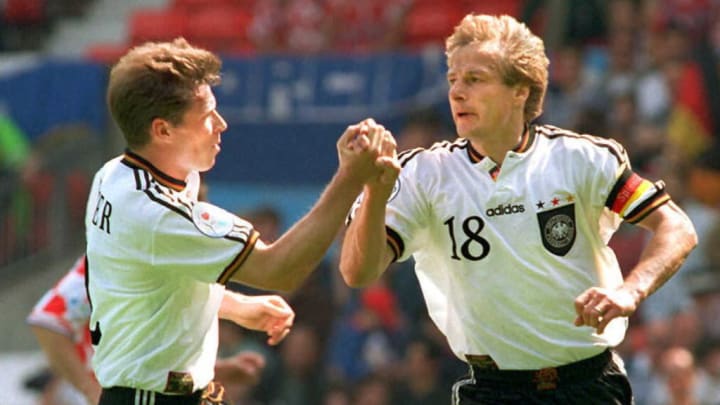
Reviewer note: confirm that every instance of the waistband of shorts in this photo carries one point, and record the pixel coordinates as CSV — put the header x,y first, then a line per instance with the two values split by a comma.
x,y
136,396
484,368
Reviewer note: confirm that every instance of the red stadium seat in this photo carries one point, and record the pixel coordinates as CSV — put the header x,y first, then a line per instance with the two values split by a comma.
x,y
156,25
105,53
428,23
20,12
199,5
509,7
220,29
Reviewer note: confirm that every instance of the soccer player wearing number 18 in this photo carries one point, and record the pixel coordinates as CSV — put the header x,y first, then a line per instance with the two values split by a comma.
x,y
509,227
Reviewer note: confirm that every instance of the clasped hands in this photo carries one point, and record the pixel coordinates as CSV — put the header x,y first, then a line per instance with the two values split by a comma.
x,y
368,154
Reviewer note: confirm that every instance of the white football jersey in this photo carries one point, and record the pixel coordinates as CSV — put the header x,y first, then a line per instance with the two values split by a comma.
x,y
502,253
157,263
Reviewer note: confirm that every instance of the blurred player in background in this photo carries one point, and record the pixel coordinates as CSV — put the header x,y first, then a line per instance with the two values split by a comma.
x,y
158,260
509,228
60,321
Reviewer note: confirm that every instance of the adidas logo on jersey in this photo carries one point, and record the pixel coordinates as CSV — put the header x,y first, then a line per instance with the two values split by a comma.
x,y
507,209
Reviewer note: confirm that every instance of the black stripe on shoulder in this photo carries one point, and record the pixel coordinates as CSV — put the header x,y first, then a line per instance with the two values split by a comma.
x,y
167,204
142,177
171,196
405,156
148,179
136,174
240,233
617,150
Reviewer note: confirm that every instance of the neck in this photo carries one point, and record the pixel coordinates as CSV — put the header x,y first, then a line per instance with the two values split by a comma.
x,y
498,143
162,161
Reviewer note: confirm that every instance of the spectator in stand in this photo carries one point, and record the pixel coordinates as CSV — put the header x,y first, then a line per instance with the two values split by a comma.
x,y
366,336
372,390
336,393
298,378
572,89
248,347
420,382
682,380
560,21
422,128
708,355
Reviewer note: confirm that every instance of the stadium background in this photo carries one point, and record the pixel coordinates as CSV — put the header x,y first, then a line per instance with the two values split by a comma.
x,y
296,72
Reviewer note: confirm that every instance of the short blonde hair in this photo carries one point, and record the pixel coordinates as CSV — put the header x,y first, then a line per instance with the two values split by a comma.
x,y
521,58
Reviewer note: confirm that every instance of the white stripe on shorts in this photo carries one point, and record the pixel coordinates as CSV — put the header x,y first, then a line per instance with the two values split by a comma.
x,y
460,383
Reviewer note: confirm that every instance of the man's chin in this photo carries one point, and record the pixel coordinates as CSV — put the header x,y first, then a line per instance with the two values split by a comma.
x,y
206,167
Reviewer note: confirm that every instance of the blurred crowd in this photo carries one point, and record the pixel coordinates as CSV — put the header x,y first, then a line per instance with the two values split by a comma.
x,y
644,72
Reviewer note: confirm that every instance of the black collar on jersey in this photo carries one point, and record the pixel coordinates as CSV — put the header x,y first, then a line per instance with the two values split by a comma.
x,y
134,160
526,141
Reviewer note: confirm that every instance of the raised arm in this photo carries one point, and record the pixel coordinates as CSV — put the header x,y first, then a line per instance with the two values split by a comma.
x,y
672,240
284,264
365,252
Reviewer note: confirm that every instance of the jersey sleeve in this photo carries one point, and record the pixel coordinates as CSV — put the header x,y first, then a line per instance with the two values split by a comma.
x,y
633,197
622,191
206,243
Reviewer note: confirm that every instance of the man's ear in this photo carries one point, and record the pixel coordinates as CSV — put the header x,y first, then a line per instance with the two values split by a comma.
x,y
160,129
521,94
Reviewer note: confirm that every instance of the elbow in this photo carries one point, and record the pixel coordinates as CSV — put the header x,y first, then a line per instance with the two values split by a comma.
x,y
354,278
685,236
352,281
692,239
690,236
355,282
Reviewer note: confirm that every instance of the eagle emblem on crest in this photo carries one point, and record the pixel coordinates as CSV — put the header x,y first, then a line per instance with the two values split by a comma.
x,y
557,228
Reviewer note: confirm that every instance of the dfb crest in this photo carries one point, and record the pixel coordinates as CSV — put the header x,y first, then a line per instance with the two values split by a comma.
x,y
557,228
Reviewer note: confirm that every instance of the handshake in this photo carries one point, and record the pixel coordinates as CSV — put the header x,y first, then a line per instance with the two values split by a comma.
x,y
368,154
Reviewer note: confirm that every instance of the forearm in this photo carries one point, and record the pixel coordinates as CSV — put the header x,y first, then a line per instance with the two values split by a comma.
x,y
65,362
267,313
665,252
364,251
287,262
232,305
